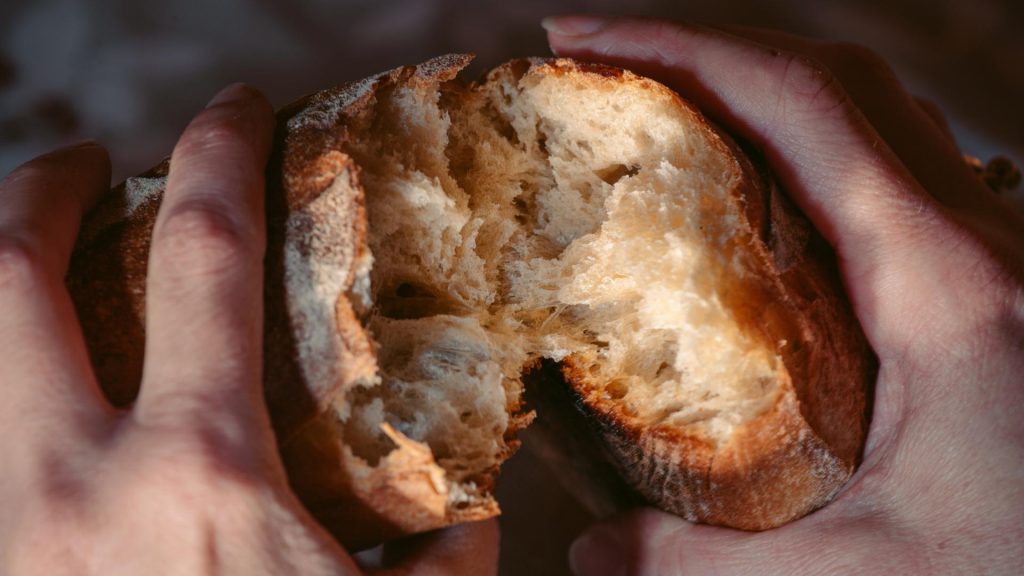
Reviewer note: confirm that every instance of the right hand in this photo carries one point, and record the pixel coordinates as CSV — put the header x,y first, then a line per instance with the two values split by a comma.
x,y
934,265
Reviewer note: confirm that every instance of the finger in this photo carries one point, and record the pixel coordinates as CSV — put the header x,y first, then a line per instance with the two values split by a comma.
x,y
914,129
204,307
45,377
463,549
888,232
871,82
653,542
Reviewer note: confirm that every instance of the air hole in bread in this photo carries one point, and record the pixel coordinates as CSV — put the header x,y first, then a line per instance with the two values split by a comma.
x,y
612,174
411,300
617,389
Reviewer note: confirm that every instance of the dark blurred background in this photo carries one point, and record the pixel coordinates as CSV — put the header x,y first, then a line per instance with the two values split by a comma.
x,y
132,73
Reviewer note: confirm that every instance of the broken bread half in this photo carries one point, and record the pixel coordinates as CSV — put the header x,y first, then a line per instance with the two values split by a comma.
x,y
431,240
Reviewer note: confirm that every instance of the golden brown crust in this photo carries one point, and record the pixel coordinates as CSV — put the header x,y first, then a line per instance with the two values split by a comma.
x,y
405,492
793,458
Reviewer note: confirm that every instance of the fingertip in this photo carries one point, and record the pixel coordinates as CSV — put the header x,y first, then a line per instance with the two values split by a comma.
x,y
100,169
226,146
82,168
234,93
84,145
97,159
86,151
239,105
588,36
240,94
599,550
575,25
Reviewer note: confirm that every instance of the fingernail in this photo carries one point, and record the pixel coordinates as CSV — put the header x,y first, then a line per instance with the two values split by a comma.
x,y
236,92
597,552
574,25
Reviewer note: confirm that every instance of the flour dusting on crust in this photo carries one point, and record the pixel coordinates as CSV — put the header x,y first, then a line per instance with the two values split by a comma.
x,y
122,203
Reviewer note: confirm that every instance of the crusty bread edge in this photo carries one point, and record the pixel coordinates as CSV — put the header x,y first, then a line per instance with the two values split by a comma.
x,y
405,492
794,457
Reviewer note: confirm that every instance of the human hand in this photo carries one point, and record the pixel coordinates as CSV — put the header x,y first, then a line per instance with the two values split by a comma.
x,y
188,480
933,263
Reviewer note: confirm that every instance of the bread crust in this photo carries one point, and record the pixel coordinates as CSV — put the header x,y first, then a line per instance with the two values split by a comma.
x,y
405,492
790,460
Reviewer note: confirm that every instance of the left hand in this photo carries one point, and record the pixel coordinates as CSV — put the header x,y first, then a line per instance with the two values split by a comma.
x,y
188,480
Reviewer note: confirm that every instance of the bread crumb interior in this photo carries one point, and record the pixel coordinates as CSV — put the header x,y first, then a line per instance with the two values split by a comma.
x,y
563,216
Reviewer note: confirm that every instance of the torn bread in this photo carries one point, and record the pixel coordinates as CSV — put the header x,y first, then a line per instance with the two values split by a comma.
x,y
431,240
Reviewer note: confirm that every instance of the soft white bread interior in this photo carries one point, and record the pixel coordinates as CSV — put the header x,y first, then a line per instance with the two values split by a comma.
x,y
588,216
437,239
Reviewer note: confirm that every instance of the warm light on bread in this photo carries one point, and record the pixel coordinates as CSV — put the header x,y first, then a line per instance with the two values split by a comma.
x,y
433,240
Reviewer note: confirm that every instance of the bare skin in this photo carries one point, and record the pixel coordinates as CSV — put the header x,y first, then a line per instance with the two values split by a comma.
x,y
188,480
934,265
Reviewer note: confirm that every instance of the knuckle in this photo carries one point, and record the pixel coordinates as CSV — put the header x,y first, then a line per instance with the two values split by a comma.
x,y
180,481
199,457
202,237
197,461
197,431
808,86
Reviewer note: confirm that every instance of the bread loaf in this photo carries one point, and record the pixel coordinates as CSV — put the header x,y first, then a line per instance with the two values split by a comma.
x,y
431,240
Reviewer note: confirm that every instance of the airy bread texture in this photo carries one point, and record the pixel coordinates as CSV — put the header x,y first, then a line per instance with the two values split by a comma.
x,y
431,240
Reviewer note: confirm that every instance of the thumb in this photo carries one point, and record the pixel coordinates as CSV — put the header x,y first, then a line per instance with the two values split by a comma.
x,y
649,541
861,539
